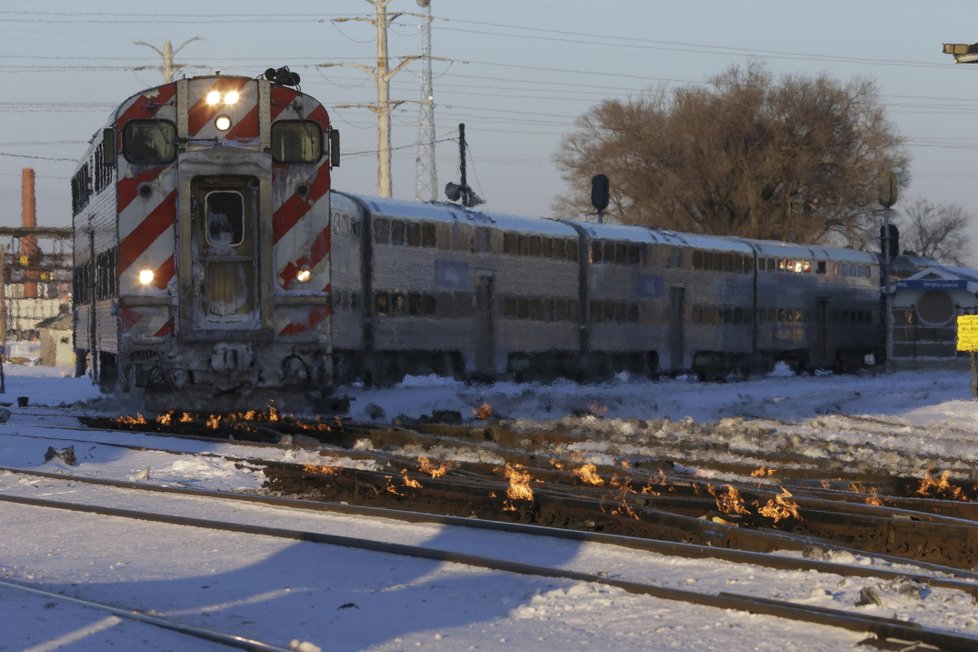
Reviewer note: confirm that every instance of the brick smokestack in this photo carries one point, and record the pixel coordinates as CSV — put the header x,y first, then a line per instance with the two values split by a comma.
x,y
28,244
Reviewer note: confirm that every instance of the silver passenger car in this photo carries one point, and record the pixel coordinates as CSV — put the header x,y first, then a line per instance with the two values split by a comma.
x,y
437,288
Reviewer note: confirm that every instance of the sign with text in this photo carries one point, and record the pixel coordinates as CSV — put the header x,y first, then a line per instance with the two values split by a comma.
x,y
932,284
967,332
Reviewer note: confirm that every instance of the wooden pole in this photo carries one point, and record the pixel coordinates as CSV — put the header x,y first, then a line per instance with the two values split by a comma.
x,y
3,303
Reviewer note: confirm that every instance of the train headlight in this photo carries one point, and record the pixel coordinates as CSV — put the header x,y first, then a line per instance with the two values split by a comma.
x,y
303,275
231,97
222,122
213,98
146,276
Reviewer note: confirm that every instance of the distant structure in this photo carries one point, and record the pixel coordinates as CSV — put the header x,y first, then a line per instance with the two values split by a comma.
x,y
927,299
35,273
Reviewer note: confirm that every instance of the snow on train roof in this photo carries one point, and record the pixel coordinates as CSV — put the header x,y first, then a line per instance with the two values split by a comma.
x,y
444,212
775,249
661,236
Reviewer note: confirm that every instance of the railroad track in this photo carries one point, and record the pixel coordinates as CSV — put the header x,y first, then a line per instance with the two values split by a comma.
x,y
882,628
234,641
667,506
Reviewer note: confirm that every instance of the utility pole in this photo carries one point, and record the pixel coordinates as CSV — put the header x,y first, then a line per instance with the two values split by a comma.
x,y
168,67
382,74
426,182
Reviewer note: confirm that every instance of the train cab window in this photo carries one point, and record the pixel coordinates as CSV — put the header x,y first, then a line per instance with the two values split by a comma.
x,y
225,218
381,231
149,141
297,141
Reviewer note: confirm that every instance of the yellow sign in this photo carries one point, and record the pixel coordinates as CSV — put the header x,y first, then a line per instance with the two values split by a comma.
x,y
968,333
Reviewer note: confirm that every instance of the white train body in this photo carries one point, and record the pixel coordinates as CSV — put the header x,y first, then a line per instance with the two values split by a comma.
x,y
214,266
201,220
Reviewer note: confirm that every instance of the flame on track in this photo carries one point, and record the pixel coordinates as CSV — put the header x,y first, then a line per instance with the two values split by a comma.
x,y
588,474
519,482
940,487
729,501
779,507
623,490
409,481
482,412
872,494
425,466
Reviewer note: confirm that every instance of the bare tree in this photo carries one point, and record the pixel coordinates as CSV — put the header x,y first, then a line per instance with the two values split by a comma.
x,y
793,160
936,231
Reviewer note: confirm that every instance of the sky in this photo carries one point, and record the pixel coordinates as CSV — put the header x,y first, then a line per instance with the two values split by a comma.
x,y
516,73
281,590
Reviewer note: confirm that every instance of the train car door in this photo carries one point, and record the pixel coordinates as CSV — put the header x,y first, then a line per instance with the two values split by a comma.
x,y
485,334
677,336
224,249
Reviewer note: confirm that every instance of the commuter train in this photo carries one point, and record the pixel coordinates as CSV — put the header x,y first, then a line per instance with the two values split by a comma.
x,y
214,265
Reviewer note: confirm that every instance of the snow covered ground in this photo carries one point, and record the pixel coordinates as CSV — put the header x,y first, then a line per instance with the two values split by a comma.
x,y
281,591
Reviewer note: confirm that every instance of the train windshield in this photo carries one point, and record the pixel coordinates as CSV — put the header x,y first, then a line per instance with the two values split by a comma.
x,y
297,141
149,141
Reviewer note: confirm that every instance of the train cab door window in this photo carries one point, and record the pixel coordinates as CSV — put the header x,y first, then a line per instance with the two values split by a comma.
x,y
225,252
149,142
297,141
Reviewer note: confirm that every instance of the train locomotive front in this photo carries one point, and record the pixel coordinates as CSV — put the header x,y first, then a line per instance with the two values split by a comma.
x,y
201,247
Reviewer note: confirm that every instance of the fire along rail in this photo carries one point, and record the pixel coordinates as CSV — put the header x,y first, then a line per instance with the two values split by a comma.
x,y
944,575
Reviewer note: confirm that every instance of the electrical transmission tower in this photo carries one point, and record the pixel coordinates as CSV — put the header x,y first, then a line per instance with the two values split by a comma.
x,y
426,185
168,67
382,74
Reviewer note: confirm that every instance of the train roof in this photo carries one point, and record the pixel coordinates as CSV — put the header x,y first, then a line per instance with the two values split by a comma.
x,y
444,212
644,234
776,249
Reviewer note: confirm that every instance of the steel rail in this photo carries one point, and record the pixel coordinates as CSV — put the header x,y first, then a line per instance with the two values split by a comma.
x,y
687,550
214,636
884,628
